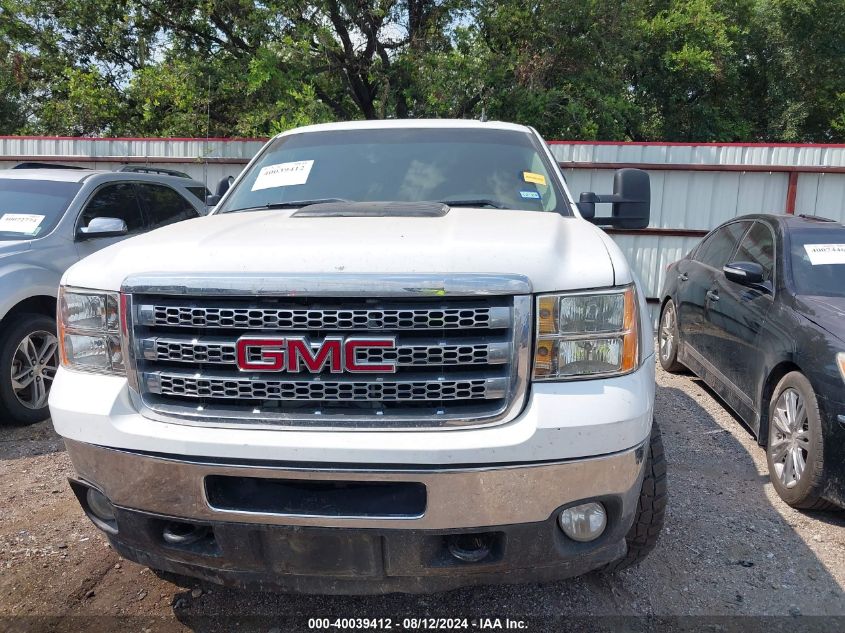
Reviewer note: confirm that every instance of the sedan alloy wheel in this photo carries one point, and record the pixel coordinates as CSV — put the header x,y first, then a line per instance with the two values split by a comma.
x,y
790,438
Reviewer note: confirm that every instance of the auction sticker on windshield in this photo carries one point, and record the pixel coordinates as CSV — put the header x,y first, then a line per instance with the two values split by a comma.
x,y
537,179
824,254
24,223
283,175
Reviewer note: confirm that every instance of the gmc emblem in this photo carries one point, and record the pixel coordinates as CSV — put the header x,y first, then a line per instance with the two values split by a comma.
x,y
297,353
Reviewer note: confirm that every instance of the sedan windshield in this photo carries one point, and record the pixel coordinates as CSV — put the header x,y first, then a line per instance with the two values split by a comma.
x,y
31,208
463,167
818,261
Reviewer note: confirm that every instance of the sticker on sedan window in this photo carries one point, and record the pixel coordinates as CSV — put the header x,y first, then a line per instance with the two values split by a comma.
x,y
23,223
283,175
537,179
823,254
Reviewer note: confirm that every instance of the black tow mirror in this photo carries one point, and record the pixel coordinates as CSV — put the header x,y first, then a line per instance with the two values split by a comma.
x,y
223,186
744,273
631,200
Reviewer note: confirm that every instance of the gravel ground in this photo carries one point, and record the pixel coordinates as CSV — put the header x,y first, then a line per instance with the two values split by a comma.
x,y
730,548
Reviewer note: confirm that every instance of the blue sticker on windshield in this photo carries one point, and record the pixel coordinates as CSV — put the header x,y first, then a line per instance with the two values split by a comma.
x,y
530,195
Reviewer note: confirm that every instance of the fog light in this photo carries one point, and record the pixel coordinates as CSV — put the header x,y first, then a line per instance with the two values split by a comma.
x,y
99,505
583,523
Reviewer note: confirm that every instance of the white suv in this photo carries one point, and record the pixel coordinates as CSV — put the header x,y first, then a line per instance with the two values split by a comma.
x,y
396,357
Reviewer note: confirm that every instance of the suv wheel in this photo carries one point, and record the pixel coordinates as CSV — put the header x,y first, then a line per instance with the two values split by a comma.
x,y
795,450
28,362
651,507
668,339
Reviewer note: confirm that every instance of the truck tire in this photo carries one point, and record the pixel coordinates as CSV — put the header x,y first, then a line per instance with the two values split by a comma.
x,y
669,339
801,421
651,507
28,362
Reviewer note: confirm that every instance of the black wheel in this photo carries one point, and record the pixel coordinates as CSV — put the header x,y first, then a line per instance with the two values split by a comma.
x,y
651,507
668,339
28,362
795,449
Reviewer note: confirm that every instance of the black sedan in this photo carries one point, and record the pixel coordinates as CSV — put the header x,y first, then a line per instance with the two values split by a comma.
x,y
757,311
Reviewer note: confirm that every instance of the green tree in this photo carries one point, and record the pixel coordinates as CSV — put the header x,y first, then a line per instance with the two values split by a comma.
x,y
692,70
800,52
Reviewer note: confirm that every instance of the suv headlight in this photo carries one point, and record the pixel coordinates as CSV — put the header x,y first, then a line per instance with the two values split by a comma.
x,y
89,331
586,334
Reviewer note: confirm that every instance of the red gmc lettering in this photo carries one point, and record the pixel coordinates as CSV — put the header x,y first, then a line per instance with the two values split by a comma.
x,y
301,349
290,354
272,354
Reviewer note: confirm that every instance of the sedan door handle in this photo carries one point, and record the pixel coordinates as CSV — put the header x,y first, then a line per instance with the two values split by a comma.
x,y
683,277
712,295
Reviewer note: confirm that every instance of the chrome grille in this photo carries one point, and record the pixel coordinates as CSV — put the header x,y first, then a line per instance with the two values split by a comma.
x,y
306,319
459,360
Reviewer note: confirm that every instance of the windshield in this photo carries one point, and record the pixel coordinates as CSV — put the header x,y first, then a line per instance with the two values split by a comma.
x,y
31,208
818,261
495,168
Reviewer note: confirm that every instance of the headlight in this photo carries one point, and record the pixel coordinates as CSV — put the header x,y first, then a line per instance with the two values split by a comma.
x,y
583,335
89,331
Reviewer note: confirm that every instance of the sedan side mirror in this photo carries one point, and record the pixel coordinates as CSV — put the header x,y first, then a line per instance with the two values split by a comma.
x,y
631,200
744,273
103,227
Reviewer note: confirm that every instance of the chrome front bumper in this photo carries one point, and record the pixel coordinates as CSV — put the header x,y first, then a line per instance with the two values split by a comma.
x,y
456,498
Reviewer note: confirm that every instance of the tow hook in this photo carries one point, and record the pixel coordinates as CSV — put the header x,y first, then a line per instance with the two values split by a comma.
x,y
470,548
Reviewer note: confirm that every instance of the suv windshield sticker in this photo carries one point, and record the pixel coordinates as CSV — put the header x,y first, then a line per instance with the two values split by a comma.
x,y
822,254
530,195
537,179
283,175
24,223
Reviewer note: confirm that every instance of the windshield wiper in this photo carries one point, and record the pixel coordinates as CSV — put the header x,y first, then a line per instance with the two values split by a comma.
x,y
292,204
477,202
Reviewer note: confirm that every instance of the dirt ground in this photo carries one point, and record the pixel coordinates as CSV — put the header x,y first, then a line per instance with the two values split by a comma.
x,y
730,548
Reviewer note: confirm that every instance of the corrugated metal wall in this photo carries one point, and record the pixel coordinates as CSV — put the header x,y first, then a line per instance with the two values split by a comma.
x,y
694,187
206,160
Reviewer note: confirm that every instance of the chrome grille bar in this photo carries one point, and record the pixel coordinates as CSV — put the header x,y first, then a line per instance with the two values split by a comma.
x,y
417,354
305,319
404,390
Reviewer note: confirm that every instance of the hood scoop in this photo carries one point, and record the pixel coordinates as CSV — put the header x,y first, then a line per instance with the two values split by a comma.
x,y
373,210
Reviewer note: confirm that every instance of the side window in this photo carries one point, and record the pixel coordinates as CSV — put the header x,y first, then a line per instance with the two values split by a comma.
x,y
758,246
164,205
115,201
719,246
200,192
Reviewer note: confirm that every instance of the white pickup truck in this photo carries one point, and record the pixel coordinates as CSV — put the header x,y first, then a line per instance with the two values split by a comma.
x,y
396,357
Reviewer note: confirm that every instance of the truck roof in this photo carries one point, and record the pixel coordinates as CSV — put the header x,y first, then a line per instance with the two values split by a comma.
x,y
387,124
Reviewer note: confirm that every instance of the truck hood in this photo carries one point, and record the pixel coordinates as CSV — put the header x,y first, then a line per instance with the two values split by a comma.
x,y
554,252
